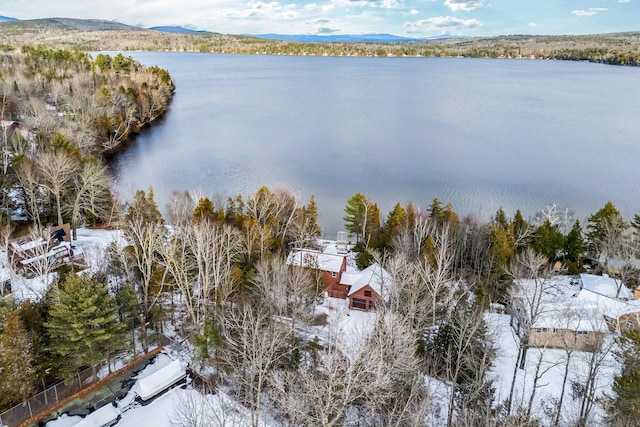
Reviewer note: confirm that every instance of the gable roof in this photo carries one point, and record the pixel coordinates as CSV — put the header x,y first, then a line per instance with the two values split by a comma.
x,y
575,306
311,258
375,276
604,285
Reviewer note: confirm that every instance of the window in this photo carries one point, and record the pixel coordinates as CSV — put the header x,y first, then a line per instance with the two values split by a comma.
x,y
628,324
582,332
555,330
367,293
541,330
359,303
334,274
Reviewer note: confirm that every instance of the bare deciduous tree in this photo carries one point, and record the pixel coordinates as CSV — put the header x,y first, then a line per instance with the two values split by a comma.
x,y
532,284
91,193
31,190
141,260
202,409
56,170
255,344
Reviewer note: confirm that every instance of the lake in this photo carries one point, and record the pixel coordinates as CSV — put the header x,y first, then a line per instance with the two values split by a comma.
x,y
478,133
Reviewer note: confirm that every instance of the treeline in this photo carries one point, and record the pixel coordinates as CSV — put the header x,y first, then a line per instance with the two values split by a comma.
x,y
95,104
217,275
484,250
614,48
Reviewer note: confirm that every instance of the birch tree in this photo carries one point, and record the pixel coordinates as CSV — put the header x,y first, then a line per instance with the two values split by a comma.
x,y
531,289
56,170
142,260
255,344
91,195
31,190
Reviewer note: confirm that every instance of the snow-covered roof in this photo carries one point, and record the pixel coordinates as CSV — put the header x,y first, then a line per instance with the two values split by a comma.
x,y
311,258
27,245
105,416
565,305
160,380
604,285
375,276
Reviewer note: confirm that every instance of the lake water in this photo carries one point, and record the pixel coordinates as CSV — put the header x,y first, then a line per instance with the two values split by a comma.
x,y
479,133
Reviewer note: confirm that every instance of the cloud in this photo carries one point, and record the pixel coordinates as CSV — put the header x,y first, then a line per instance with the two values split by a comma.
x,y
383,4
389,4
262,10
464,5
414,11
441,24
327,30
322,26
532,24
589,12
623,1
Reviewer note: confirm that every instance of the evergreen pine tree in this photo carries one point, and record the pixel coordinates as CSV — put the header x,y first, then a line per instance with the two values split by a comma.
x,y
598,223
311,218
436,210
502,248
411,215
624,407
574,248
548,240
449,216
520,230
17,373
396,221
82,326
636,224
204,210
144,207
501,219
356,215
372,229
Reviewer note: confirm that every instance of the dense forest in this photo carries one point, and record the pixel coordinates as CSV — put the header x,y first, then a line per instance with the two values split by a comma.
x,y
61,113
215,275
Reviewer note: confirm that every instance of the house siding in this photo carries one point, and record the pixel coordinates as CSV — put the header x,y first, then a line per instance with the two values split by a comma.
x,y
360,300
625,322
545,337
332,282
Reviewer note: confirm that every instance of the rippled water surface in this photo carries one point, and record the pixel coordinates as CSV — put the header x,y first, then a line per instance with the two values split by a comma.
x,y
478,133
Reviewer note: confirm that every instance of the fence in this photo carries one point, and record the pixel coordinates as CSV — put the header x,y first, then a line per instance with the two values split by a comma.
x,y
51,396
56,394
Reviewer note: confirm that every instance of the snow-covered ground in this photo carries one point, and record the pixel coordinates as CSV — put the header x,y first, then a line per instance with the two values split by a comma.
x,y
347,325
552,369
177,404
93,243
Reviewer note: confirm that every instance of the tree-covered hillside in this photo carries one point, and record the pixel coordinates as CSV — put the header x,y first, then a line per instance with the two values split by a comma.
x,y
61,111
94,35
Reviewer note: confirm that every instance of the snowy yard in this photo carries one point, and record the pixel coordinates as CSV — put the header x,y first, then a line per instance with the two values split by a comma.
x,y
350,327
552,369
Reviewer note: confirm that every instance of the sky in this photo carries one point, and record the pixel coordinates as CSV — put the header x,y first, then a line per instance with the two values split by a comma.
x,y
412,18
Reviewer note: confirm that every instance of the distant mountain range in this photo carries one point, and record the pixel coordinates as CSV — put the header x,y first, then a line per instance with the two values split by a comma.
x,y
177,30
98,24
348,38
